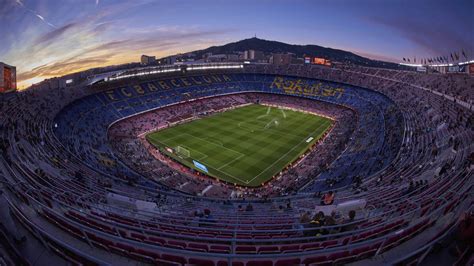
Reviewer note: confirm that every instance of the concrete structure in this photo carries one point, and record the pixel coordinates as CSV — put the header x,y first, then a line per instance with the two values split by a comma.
x,y
222,58
147,60
281,59
7,78
253,55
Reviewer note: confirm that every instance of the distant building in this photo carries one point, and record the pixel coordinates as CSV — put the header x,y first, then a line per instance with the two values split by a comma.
x,y
217,58
206,55
147,60
281,59
253,55
222,58
170,60
232,57
7,78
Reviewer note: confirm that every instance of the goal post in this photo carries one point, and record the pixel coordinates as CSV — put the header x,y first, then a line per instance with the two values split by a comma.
x,y
183,152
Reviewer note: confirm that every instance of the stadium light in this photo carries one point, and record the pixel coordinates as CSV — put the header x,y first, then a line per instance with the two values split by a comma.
x,y
467,62
173,68
411,65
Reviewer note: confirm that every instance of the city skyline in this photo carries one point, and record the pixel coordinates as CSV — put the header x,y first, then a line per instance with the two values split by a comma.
x,y
46,38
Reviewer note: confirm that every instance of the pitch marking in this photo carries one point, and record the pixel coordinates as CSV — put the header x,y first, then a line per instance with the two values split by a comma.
x,y
286,153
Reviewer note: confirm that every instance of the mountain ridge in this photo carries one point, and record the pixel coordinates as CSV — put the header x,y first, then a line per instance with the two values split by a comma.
x,y
269,46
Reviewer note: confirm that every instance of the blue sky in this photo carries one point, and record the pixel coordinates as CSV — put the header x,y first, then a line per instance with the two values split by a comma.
x,y
47,38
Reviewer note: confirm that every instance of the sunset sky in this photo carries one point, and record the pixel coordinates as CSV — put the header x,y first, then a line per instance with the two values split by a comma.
x,y
47,38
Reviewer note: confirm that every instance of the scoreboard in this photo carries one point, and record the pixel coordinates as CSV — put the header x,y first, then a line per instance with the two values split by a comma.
x,y
321,61
317,61
7,78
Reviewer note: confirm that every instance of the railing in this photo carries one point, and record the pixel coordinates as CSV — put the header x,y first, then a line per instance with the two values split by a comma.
x,y
38,207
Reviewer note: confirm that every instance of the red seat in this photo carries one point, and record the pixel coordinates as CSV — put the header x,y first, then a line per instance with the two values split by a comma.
x,y
329,243
141,257
338,255
173,258
176,244
314,260
119,251
148,253
219,249
360,250
366,252
234,263
310,246
155,240
260,263
346,240
201,262
125,247
245,250
136,236
268,250
162,262
290,248
99,240
197,247
287,262
122,233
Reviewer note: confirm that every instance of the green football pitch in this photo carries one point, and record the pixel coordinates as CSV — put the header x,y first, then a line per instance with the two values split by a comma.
x,y
245,146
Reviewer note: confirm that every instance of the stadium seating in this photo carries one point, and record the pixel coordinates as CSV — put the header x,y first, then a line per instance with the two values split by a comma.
x,y
72,181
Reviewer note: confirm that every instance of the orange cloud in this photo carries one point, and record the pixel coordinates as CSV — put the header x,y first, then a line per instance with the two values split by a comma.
x,y
97,40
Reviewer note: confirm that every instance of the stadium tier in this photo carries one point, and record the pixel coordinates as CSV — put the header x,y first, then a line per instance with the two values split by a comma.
x,y
259,165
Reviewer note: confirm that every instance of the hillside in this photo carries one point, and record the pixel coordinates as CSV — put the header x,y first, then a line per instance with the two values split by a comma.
x,y
269,47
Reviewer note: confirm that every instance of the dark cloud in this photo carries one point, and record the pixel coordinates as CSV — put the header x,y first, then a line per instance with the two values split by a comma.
x,y
433,37
54,34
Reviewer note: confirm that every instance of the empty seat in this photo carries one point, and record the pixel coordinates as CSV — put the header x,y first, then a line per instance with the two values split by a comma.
x,y
260,263
173,258
219,249
287,262
155,240
329,243
268,250
176,244
201,262
234,263
316,259
197,247
310,246
245,250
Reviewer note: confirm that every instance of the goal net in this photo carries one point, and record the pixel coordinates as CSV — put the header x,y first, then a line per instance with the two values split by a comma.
x,y
182,152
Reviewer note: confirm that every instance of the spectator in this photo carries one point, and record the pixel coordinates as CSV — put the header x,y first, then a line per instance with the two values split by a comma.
x,y
304,222
328,198
208,218
249,207
329,220
348,223
316,222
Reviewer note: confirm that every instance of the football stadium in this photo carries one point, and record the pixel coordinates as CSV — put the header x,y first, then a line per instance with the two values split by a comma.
x,y
272,155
